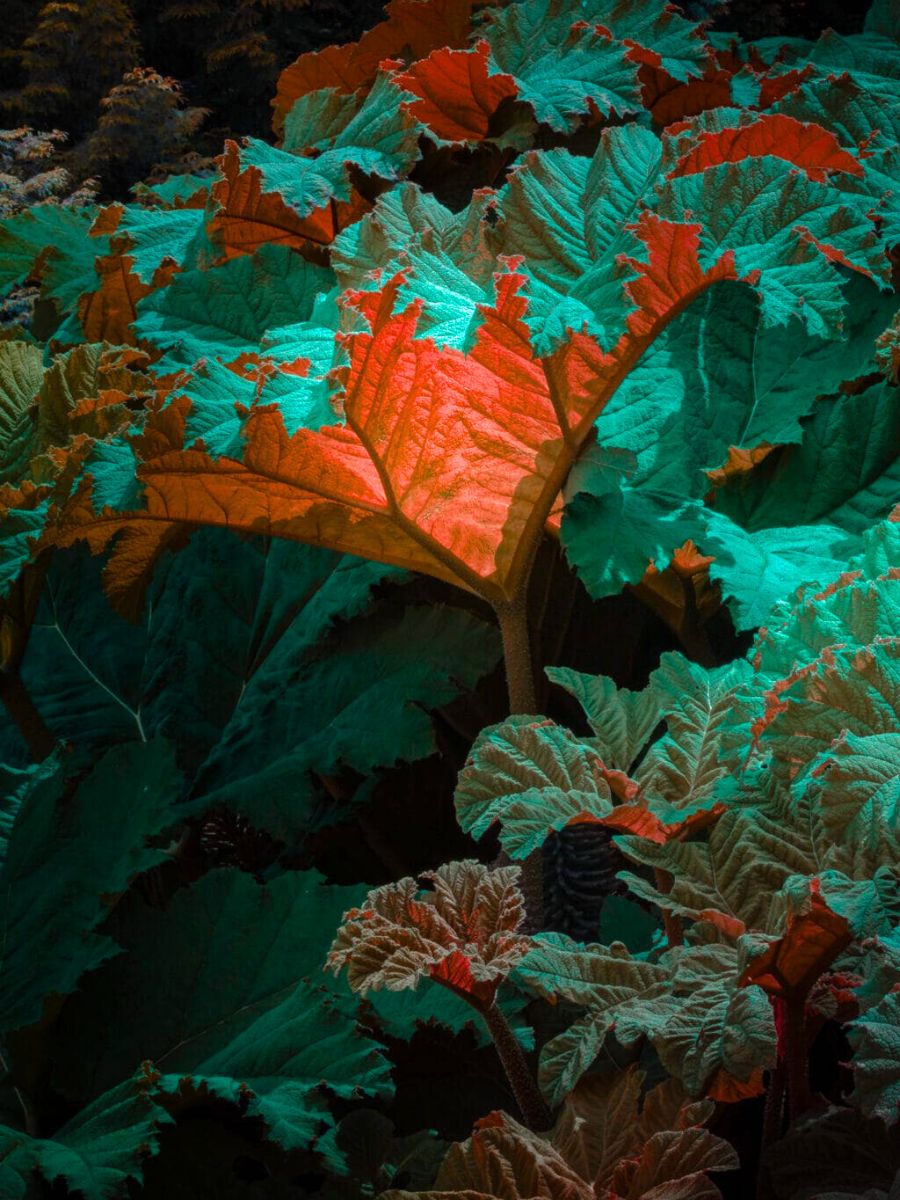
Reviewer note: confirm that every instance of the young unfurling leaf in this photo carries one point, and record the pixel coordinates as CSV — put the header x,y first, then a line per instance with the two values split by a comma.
x,y
463,932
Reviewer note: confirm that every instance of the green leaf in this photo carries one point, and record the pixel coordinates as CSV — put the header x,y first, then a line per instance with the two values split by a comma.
x,y
758,569
363,706
65,854
19,529
225,311
235,661
53,243
371,249
284,1058
718,1027
375,133
158,235
612,984
622,721
845,473
95,1153
21,375
853,689
559,70
681,771
533,777
228,1011
569,218
859,790
760,210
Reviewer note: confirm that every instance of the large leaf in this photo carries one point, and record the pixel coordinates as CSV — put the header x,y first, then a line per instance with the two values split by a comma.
x,y
220,313
70,846
234,660
622,721
533,777
412,28
844,472
233,1017
393,492
51,243
709,1033
95,1153
719,383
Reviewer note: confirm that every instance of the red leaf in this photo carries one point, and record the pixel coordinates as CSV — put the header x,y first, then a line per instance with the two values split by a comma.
x,y
457,95
413,29
814,149
670,101
449,463
249,217
811,942
106,313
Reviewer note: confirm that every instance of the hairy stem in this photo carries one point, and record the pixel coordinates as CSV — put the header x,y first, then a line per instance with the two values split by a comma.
x,y
512,618
535,1112
18,703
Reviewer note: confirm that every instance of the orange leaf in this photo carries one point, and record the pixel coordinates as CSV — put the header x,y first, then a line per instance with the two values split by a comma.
x,y
106,313
413,29
249,217
728,1090
812,940
814,149
739,462
449,462
457,95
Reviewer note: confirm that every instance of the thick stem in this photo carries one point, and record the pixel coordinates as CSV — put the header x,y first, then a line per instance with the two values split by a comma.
x,y
512,618
796,1057
18,703
771,1130
671,922
535,1112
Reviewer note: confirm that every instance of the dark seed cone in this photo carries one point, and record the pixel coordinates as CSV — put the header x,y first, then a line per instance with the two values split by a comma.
x,y
580,865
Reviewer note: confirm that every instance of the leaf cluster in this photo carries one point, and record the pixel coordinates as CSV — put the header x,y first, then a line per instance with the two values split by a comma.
x,y
531,310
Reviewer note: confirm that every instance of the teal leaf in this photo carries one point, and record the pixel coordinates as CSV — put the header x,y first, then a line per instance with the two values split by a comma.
x,y
232,1011
65,854
222,312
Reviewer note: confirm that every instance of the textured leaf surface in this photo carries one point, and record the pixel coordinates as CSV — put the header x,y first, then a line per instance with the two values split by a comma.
x,y
533,777
219,314
235,661
462,934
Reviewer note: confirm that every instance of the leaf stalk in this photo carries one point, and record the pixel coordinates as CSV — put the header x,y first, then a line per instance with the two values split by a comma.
x,y
531,1103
